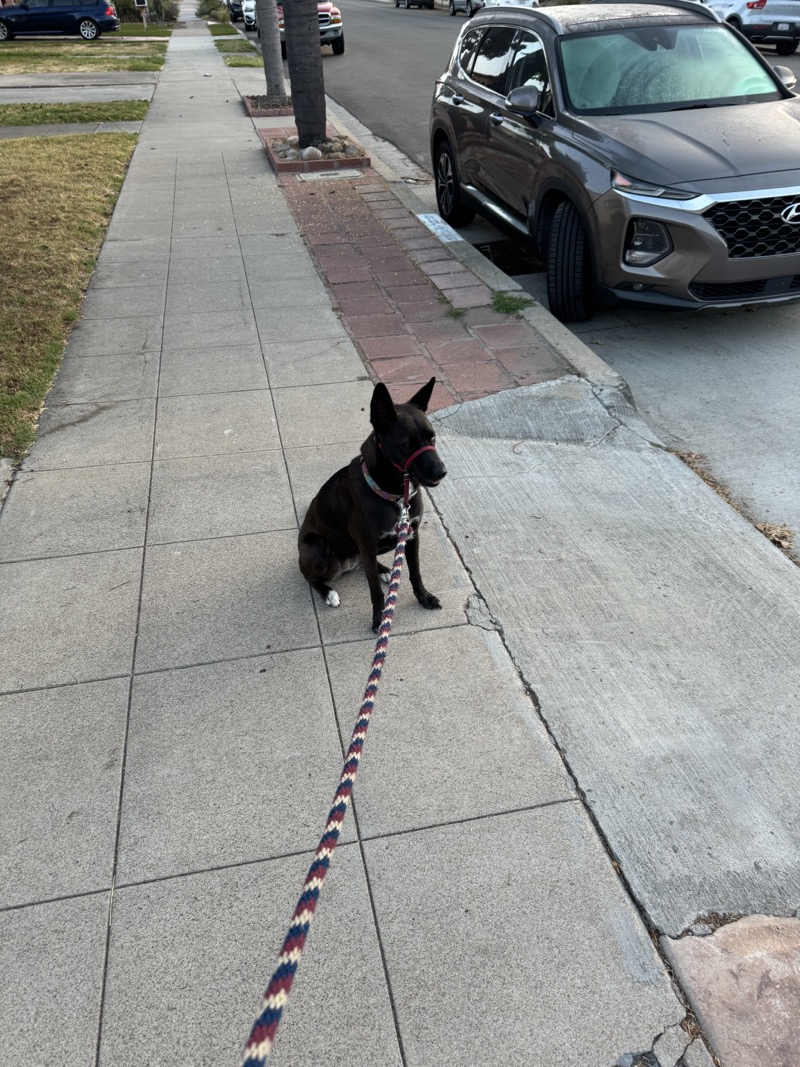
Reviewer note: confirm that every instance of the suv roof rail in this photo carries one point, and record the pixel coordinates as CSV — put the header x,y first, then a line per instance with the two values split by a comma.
x,y
698,6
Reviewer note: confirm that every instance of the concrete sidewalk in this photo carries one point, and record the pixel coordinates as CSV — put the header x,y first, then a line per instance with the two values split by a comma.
x,y
174,703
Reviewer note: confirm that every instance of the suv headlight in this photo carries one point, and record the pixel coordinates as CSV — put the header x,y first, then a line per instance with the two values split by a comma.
x,y
646,242
623,184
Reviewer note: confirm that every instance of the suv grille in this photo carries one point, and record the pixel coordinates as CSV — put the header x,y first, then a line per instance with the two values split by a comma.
x,y
324,19
755,228
744,290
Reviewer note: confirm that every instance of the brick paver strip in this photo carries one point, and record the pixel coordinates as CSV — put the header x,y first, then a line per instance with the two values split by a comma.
x,y
423,310
530,365
457,351
403,369
388,347
506,335
396,286
443,266
473,297
373,325
453,280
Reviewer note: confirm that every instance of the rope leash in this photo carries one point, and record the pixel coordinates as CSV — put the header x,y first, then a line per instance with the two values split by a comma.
x,y
262,1036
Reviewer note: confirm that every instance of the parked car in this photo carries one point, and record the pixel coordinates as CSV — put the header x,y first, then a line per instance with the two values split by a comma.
x,y
415,3
88,18
234,9
249,14
775,21
469,7
331,30
645,152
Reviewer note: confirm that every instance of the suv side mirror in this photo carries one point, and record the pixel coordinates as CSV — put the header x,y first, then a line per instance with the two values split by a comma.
x,y
524,101
786,75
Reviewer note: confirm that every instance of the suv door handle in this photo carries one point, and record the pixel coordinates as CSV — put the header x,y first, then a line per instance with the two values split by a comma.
x,y
496,118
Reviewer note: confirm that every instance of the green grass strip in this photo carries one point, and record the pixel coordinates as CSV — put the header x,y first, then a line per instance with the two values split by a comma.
x,y
137,29
48,114
230,47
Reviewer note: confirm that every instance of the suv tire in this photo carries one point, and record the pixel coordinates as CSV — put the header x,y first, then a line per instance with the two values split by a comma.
x,y
448,197
451,8
338,46
569,263
5,32
786,48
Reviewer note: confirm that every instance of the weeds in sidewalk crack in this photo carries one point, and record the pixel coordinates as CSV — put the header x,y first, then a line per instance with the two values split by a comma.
x,y
780,536
505,303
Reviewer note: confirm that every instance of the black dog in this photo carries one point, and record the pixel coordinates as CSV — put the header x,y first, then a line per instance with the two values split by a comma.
x,y
354,515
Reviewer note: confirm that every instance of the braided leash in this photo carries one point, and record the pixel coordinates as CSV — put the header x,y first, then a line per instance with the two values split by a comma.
x,y
262,1036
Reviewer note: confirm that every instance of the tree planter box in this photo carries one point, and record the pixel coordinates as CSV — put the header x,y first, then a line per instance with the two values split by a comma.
x,y
307,166
264,112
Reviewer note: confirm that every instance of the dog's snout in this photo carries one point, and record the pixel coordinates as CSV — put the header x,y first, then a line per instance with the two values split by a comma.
x,y
437,472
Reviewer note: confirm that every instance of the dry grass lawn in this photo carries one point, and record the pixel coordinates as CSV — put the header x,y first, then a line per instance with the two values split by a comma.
x,y
49,114
56,197
27,56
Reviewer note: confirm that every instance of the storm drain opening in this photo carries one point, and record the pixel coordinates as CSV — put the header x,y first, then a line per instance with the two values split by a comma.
x,y
511,258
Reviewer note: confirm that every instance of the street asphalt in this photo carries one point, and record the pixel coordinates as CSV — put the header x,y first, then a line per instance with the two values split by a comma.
x,y
575,835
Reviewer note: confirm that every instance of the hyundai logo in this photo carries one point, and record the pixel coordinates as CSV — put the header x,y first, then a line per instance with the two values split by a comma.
x,y
791,214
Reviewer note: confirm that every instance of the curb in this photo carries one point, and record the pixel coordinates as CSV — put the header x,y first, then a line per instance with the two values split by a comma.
x,y
586,363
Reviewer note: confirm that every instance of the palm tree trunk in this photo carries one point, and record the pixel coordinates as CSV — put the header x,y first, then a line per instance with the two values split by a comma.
x,y
270,40
305,70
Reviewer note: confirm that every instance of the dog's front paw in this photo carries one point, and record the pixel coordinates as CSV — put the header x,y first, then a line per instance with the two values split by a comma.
x,y
428,600
332,599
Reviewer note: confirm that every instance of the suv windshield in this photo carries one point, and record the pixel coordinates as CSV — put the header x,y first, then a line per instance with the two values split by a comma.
x,y
661,68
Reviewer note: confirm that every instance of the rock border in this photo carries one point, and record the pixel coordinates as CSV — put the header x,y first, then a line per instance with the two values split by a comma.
x,y
306,166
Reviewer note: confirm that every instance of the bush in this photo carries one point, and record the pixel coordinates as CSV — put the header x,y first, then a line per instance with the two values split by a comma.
x,y
157,11
212,9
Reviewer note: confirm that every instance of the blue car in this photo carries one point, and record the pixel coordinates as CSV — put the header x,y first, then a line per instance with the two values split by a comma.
x,y
87,18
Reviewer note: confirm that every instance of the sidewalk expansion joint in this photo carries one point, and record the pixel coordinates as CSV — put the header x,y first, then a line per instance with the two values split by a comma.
x,y
467,819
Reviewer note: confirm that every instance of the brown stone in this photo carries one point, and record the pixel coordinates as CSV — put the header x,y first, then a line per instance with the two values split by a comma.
x,y
743,983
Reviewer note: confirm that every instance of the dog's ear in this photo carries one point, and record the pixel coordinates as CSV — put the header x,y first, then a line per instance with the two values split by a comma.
x,y
381,410
422,398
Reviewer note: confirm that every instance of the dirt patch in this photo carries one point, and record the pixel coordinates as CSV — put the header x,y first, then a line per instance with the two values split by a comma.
x,y
258,107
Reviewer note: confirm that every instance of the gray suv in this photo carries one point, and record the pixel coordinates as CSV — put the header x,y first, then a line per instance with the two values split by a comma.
x,y
646,152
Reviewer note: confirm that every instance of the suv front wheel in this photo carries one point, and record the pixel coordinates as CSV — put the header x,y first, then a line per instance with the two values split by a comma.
x,y
448,195
569,266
